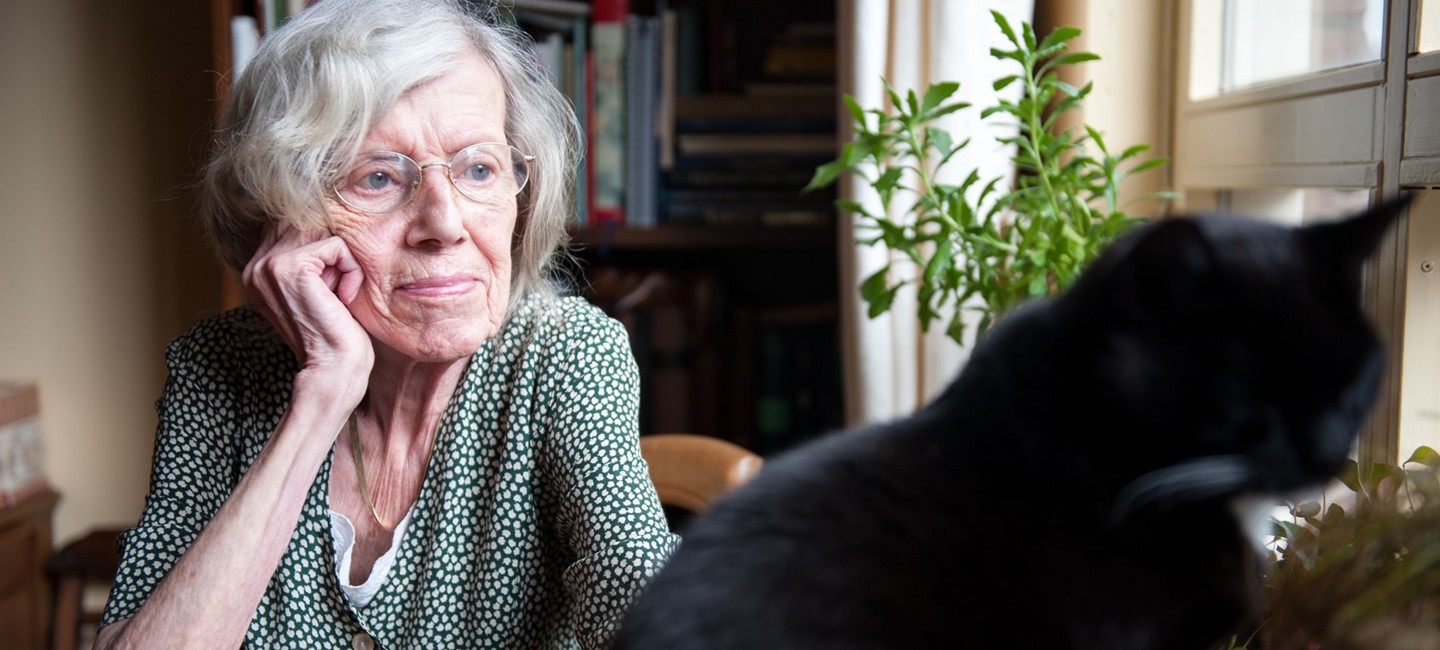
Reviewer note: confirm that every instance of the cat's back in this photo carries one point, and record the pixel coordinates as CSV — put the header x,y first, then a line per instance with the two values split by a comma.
x,y
862,516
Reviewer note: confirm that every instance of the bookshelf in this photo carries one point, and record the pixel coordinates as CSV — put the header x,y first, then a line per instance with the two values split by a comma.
x,y
723,272
703,120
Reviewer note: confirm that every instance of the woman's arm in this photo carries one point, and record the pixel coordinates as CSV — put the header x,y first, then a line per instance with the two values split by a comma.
x,y
610,514
209,597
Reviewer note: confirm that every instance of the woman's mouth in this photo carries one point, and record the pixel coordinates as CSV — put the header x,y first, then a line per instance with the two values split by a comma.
x,y
440,286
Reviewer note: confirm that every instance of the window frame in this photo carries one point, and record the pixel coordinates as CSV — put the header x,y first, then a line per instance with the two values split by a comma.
x,y
1284,134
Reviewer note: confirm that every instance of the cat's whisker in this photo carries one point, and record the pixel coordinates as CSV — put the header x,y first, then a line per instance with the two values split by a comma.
x,y
1187,482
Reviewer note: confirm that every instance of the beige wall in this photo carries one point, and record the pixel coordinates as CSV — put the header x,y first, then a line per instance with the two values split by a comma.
x,y
1130,102
102,109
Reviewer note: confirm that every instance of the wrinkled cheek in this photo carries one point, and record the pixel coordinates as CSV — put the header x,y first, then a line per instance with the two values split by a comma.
x,y
499,292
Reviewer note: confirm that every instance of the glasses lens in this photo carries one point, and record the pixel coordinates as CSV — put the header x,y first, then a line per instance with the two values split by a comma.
x,y
380,182
489,172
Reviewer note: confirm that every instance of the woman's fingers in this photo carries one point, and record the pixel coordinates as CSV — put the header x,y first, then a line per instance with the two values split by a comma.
x,y
302,282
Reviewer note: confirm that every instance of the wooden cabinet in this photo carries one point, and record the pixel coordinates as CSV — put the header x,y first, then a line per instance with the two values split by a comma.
x,y
25,541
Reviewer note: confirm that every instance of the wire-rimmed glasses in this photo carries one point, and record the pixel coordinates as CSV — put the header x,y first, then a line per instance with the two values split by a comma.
x,y
385,181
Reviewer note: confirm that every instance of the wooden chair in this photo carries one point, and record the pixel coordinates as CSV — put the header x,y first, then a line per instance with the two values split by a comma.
x,y
92,558
691,471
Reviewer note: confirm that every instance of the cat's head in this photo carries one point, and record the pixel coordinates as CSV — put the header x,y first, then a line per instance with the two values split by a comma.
x,y
1239,351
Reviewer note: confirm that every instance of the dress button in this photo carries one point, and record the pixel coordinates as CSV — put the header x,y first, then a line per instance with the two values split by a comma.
x,y
362,641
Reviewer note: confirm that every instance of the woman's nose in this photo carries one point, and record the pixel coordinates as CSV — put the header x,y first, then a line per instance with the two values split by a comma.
x,y
439,215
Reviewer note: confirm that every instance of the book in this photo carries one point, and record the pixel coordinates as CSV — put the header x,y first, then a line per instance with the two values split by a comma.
x,y
22,449
752,106
244,40
754,124
741,177
665,113
642,64
560,30
607,117
701,144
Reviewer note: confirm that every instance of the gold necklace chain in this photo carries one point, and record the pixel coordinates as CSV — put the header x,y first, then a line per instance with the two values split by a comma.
x,y
360,467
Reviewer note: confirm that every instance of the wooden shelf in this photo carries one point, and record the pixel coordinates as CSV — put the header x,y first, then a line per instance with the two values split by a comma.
x,y
697,238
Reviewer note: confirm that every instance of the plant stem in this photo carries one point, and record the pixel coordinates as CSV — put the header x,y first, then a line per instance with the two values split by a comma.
x,y
1041,165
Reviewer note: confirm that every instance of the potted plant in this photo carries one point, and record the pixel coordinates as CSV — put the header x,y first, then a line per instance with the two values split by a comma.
x,y
986,244
1363,575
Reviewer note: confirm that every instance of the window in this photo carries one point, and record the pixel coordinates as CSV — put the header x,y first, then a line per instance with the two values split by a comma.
x,y
1303,109
1261,41
1429,26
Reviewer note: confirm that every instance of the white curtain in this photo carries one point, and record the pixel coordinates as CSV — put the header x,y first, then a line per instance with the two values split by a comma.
x,y
891,367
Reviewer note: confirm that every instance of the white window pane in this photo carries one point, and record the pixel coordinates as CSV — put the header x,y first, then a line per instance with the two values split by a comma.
x,y
1429,25
1240,44
1294,207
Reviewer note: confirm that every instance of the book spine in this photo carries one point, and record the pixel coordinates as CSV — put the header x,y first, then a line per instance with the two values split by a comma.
x,y
634,122
607,131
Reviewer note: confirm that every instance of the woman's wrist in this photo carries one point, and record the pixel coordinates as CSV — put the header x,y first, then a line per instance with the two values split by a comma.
x,y
329,392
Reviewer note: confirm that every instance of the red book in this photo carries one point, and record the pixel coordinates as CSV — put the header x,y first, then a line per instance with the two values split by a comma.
x,y
606,163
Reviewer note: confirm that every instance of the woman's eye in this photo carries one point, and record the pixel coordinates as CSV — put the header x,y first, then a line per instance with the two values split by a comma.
x,y
477,173
375,181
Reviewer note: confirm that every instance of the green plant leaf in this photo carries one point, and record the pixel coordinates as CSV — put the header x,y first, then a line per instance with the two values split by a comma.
x,y
1002,82
1149,164
1133,151
1306,509
1076,57
1013,55
940,139
1379,472
939,263
1005,27
1045,52
1037,286
1350,476
894,97
1029,33
1059,35
852,206
1069,89
945,110
882,302
825,175
1004,107
1425,456
875,284
1095,136
937,93
855,111
888,180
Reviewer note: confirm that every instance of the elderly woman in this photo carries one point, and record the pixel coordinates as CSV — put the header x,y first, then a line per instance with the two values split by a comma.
x,y
408,440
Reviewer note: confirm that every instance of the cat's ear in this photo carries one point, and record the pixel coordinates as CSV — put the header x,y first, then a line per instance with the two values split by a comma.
x,y
1167,270
1347,243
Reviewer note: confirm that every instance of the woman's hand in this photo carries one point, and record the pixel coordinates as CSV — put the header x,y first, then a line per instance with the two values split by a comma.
x,y
302,284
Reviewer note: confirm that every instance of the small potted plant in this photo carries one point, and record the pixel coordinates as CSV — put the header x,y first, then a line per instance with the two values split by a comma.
x,y
1363,575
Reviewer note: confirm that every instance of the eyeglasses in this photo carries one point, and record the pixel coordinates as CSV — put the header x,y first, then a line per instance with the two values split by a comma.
x,y
385,181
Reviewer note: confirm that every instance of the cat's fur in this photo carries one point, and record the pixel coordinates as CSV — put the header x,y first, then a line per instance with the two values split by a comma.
x,y
1071,488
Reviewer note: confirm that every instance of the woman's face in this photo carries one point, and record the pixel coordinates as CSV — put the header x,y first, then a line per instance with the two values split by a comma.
x,y
437,271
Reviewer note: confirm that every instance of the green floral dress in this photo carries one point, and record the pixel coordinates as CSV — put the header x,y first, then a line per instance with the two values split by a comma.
x,y
536,523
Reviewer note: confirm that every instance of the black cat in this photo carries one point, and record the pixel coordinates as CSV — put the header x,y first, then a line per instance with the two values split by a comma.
x,y
1073,488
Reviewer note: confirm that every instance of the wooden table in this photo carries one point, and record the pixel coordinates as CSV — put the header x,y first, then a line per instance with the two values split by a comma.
x,y
25,544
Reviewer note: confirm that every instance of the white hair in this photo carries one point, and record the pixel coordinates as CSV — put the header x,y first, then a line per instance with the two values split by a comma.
x,y
318,84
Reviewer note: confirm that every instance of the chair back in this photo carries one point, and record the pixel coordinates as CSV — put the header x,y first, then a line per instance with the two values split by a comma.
x,y
692,471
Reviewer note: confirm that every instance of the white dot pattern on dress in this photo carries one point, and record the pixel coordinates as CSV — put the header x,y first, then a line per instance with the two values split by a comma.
x,y
535,527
